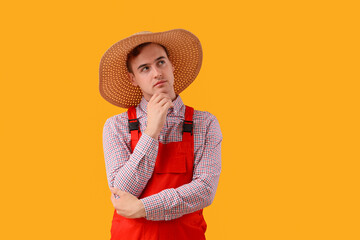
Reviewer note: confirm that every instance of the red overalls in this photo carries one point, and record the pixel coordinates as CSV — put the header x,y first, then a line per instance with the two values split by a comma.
x,y
173,168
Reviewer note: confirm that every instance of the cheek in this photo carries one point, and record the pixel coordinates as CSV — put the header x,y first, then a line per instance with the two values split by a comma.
x,y
145,82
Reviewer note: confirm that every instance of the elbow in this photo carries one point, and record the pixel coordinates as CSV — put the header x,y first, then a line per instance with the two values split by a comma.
x,y
209,199
209,190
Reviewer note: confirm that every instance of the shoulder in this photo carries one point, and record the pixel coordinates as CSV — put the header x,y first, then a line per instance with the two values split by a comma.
x,y
205,120
207,125
117,123
204,117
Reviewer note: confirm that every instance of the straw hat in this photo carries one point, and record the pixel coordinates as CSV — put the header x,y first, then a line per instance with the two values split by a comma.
x,y
185,54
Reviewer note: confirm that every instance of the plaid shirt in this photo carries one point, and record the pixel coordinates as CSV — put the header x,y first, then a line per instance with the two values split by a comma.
x,y
131,172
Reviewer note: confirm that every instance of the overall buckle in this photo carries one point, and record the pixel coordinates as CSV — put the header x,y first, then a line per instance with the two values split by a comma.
x,y
133,124
188,127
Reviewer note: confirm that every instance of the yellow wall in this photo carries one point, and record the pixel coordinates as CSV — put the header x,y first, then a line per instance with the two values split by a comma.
x,y
282,77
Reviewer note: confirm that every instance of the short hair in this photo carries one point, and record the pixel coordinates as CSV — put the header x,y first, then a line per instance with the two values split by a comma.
x,y
137,50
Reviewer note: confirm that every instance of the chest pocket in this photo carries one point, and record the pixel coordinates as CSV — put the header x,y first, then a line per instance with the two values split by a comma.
x,y
170,159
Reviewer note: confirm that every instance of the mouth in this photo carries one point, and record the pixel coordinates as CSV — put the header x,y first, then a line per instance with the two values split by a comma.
x,y
160,82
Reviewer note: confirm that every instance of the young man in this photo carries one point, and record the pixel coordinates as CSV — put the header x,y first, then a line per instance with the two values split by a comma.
x,y
163,159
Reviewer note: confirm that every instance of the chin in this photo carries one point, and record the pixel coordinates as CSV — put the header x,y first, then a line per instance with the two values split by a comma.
x,y
162,91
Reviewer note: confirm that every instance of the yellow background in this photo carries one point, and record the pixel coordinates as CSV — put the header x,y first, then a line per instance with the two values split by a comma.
x,y
282,77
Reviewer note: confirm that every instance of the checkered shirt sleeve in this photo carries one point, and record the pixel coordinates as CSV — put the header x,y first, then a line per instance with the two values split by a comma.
x,y
200,192
126,171
130,172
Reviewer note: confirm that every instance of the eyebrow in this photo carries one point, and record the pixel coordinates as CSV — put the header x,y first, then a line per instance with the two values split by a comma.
x,y
143,65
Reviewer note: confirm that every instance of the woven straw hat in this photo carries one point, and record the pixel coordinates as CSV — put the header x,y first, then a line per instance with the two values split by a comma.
x,y
185,54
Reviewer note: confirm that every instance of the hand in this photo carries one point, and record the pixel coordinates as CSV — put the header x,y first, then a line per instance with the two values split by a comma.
x,y
127,205
157,109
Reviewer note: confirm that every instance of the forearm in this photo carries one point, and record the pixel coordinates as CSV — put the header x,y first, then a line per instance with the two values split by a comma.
x,y
173,203
131,172
199,193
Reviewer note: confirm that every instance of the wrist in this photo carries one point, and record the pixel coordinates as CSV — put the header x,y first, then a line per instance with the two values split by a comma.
x,y
152,134
142,211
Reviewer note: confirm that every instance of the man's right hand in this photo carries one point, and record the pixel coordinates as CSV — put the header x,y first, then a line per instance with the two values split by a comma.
x,y
157,109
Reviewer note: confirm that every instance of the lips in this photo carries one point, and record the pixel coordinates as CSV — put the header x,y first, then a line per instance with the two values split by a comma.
x,y
159,83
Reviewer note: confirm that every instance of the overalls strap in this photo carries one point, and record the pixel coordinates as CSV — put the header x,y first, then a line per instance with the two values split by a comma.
x,y
134,126
174,167
188,124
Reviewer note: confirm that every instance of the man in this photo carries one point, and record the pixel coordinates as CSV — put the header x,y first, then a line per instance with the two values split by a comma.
x,y
162,157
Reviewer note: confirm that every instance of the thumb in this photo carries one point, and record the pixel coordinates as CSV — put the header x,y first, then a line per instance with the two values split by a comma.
x,y
115,190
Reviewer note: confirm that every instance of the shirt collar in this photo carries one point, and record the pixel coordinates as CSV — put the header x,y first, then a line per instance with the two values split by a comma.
x,y
177,111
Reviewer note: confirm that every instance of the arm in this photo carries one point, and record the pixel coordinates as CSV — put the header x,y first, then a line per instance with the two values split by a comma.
x,y
199,193
131,172
125,171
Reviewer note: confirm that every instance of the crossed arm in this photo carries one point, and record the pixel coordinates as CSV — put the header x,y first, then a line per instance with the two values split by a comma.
x,y
129,174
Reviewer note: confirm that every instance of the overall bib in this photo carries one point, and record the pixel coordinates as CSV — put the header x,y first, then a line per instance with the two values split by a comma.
x,y
173,168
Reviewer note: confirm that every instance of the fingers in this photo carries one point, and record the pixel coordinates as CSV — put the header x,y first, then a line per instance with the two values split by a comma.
x,y
113,200
157,97
162,100
116,191
157,111
168,104
165,101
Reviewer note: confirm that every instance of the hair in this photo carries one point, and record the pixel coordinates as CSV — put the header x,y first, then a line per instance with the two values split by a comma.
x,y
137,50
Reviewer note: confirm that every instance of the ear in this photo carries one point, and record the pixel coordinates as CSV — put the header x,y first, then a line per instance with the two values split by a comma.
x,y
132,79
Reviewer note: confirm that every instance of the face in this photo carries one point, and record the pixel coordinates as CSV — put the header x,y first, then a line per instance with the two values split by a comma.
x,y
153,72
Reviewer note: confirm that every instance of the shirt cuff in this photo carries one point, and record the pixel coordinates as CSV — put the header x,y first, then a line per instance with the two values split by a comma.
x,y
154,207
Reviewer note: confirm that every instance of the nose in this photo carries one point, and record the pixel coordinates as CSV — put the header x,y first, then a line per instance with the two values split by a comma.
x,y
157,73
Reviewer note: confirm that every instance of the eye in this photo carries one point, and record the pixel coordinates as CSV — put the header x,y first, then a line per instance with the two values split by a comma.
x,y
161,62
144,69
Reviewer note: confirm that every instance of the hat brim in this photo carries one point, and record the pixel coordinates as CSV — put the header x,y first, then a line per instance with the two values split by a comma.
x,y
185,54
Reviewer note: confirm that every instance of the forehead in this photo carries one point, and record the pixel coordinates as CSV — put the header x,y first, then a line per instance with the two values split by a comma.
x,y
149,53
